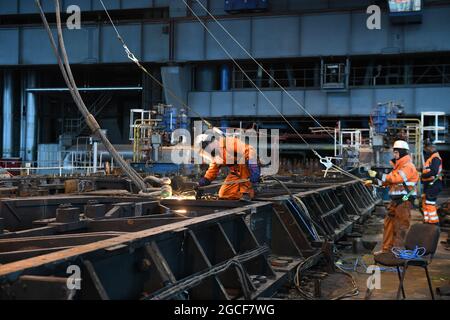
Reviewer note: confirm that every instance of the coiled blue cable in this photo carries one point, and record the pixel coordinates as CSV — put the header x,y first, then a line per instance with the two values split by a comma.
x,y
417,253
360,262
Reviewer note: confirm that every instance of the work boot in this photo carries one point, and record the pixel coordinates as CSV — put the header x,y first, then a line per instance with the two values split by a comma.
x,y
246,197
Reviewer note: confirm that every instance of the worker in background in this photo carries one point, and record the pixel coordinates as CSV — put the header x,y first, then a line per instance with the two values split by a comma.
x,y
243,167
402,182
432,182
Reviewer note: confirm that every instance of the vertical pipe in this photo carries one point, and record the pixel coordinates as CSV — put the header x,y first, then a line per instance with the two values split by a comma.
x,y
94,157
7,114
31,118
205,79
224,78
22,115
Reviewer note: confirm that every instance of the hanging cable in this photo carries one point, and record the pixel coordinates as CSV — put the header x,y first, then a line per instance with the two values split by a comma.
x,y
243,72
263,69
265,96
298,201
64,66
133,58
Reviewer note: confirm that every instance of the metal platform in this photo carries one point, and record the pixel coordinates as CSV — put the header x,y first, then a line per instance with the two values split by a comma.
x,y
131,248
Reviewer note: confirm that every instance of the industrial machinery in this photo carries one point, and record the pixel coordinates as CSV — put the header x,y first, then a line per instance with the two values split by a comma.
x,y
130,247
383,133
351,146
151,132
388,125
152,129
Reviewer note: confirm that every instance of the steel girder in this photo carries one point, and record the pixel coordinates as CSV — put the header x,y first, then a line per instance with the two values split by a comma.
x,y
130,249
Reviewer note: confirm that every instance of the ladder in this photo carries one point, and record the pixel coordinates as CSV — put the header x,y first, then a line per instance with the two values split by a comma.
x,y
414,140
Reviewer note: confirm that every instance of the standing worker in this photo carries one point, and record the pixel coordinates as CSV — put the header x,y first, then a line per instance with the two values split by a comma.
x,y
402,181
432,182
243,166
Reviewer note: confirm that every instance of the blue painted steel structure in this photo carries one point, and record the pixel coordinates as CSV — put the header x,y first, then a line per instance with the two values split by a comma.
x,y
355,102
340,33
7,115
292,29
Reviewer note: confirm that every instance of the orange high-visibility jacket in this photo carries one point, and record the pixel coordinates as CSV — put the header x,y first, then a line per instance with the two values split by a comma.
x,y
426,169
235,157
404,172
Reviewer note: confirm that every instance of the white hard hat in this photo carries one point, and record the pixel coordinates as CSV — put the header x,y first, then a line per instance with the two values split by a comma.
x,y
400,144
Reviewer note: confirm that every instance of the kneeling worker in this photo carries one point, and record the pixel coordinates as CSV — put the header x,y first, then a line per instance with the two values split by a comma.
x,y
234,188
432,182
402,181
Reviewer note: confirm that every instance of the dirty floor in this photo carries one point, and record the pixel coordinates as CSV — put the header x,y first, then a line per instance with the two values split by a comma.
x,y
416,287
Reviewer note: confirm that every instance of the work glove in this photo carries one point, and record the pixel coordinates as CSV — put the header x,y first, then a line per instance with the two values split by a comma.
x,y
246,197
199,194
255,173
203,182
372,173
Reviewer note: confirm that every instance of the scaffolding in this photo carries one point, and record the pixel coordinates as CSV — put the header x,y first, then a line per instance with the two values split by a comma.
x,y
410,131
435,130
145,138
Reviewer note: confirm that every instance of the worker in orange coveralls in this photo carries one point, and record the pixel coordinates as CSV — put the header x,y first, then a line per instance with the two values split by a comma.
x,y
432,182
241,161
402,182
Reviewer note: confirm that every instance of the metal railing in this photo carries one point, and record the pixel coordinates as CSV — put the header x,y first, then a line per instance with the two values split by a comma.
x,y
358,76
65,162
60,170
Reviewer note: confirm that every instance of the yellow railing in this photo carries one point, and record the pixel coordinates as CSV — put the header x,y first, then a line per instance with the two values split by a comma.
x,y
412,128
143,129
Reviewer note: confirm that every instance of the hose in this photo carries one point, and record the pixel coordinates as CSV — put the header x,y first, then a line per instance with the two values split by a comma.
x,y
415,254
305,209
352,292
92,123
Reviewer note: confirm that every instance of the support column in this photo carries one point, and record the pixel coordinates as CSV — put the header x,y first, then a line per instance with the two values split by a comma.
x,y
7,114
178,79
31,119
205,78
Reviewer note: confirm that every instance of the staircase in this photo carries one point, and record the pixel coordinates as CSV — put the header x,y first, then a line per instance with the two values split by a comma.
x,y
97,107
414,140
78,126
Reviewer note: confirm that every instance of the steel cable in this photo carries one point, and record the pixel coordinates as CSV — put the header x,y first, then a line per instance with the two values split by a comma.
x,y
66,71
260,91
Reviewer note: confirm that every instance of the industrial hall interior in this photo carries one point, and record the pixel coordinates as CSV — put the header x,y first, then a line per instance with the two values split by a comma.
x,y
225,150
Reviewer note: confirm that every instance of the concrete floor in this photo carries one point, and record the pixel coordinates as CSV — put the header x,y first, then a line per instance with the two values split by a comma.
x,y
416,287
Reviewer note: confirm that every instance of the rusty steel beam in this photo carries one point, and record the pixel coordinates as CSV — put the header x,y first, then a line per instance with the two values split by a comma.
x,y
21,266
215,249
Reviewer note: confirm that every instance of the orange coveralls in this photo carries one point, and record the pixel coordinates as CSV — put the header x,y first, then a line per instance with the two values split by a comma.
x,y
432,185
397,221
241,152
